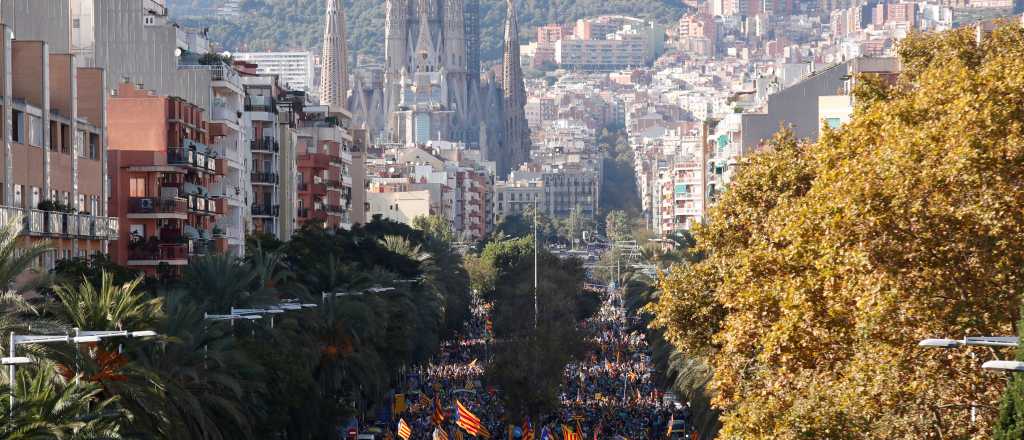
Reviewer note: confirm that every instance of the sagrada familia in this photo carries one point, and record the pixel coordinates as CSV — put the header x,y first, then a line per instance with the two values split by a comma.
x,y
430,86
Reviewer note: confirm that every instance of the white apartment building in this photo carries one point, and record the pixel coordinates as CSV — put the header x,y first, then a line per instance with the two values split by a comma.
x,y
293,69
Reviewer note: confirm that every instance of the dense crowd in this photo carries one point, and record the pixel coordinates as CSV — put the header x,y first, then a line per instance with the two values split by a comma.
x,y
611,394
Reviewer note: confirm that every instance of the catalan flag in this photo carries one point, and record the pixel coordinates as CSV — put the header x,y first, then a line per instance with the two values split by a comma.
x,y
440,434
468,421
438,417
404,431
423,400
458,435
527,430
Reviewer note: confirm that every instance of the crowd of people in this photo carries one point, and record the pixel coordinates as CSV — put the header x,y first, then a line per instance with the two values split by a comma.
x,y
610,394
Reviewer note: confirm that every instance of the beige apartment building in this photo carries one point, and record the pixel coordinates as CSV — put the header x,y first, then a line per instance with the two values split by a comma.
x,y
54,146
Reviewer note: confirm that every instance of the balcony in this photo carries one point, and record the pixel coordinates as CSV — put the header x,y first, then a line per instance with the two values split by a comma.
x,y
202,247
264,178
260,104
317,161
223,78
204,205
191,158
153,253
314,188
157,208
266,210
267,145
62,225
303,213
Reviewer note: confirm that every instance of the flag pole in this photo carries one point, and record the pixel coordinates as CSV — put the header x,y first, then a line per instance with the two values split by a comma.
x,y
536,242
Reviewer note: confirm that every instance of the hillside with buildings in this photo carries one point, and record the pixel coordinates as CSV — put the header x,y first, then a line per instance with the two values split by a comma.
x,y
274,25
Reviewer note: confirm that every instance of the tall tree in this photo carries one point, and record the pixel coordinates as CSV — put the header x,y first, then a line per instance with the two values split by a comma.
x,y
826,263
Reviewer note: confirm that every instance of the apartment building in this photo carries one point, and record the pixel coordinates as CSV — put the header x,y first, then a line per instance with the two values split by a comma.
x,y
324,153
162,169
293,69
54,150
262,128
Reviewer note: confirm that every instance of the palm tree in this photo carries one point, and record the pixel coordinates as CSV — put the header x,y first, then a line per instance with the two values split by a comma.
x,y
48,406
220,282
200,377
17,258
108,307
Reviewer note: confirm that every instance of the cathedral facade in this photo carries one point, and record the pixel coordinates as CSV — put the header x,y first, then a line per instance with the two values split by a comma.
x,y
429,87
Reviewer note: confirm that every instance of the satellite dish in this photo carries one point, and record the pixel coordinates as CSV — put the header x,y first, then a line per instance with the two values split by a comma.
x,y
177,51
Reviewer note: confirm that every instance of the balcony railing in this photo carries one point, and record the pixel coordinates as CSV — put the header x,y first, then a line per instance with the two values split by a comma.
x,y
315,188
61,224
154,205
303,212
202,247
269,178
266,144
266,210
260,104
190,157
160,252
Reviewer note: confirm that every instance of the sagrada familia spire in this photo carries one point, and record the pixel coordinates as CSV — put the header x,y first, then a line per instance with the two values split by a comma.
x,y
334,60
517,133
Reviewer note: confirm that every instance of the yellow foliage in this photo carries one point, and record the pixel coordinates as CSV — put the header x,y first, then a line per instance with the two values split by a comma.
x,y
828,262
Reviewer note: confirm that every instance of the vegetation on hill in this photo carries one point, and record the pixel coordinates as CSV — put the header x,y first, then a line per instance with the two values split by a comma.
x,y
298,24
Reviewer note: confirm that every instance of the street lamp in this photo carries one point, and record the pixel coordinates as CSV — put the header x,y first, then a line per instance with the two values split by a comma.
x,y
971,341
81,337
1013,366
980,341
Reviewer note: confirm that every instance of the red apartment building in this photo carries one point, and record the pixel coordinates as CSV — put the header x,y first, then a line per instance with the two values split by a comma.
x,y
161,169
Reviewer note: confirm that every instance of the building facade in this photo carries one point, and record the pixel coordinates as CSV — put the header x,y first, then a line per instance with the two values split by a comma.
x,y
54,149
293,69
162,169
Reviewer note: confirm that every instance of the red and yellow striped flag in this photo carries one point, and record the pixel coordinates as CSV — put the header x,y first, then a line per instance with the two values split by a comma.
x,y
404,431
468,421
438,417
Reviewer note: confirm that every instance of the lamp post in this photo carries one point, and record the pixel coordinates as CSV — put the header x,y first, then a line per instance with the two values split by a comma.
x,y
80,337
980,341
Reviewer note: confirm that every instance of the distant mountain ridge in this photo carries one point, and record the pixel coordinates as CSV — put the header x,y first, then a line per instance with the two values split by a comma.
x,y
265,25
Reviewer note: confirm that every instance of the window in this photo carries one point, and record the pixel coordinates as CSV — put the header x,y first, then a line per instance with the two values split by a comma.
x,y
833,122
18,201
79,142
76,23
18,127
94,146
35,131
35,198
136,187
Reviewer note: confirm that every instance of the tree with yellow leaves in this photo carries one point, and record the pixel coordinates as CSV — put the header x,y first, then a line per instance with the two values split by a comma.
x,y
828,262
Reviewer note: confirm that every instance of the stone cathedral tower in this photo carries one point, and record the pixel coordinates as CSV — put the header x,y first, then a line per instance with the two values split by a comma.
x,y
426,75
334,60
516,143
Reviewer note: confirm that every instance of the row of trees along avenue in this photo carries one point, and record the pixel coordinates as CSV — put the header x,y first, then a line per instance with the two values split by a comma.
x,y
203,379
